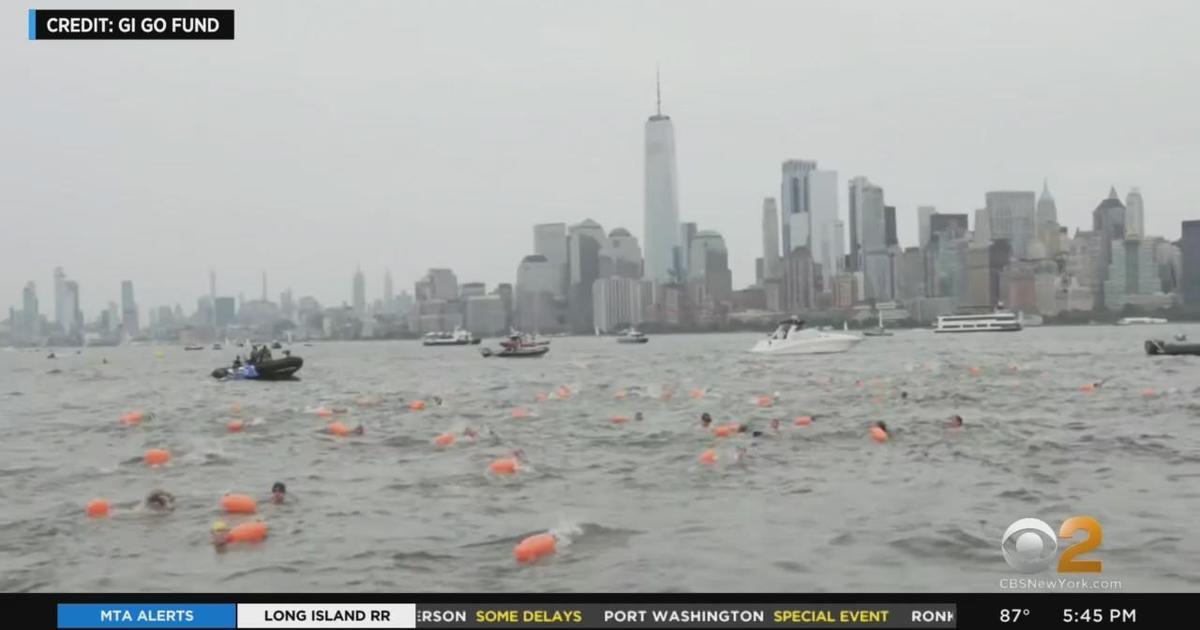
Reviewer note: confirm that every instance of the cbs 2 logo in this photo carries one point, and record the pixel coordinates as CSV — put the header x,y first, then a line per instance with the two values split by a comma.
x,y
1029,545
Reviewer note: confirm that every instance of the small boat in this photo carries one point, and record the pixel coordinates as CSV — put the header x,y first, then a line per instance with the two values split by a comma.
x,y
528,339
633,336
878,330
516,348
275,345
1179,346
1130,321
459,337
281,369
791,337
193,347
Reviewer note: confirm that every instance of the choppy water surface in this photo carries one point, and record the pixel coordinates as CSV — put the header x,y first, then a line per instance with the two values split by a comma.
x,y
820,509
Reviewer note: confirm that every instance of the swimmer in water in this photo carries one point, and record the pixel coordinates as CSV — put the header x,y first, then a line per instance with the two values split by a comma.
x,y
882,426
160,501
739,456
278,492
773,431
705,420
637,416
471,434
956,422
903,395
220,535
437,401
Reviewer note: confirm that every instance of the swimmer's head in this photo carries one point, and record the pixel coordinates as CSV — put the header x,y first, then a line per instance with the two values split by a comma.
x,y
160,501
705,419
904,395
278,492
220,533
956,421
470,433
637,416
882,426
742,428
774,424
358,430
519,455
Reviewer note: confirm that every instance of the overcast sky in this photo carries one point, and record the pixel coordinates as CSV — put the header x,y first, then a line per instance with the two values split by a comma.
x,y
411,134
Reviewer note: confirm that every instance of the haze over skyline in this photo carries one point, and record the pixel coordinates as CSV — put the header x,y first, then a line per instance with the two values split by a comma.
x,y
417,135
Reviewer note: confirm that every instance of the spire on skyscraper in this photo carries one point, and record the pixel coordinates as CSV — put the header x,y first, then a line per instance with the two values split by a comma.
x,y
1046,190
1112,193
658,91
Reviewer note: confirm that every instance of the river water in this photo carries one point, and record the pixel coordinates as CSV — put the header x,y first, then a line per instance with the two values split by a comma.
x,y
820,508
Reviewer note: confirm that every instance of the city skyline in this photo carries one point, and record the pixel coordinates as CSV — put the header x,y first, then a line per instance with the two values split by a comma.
x,y
374,185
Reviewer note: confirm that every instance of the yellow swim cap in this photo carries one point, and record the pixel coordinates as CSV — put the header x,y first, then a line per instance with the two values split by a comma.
x,y
219,526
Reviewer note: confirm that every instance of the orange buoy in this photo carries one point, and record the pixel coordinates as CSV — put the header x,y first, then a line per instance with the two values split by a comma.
x,y
765,401
975,370
803,421
506,466
156,457
339,429
235,426
618,420
520,412
1147,393
564,392
97,508
709,456
324,413
247,533
238,504
445,439
1087,388
416,405
879,435
697,394
534,547
620,394
132,418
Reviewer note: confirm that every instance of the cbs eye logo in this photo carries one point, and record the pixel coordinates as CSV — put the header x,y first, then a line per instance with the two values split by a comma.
x,y
1029,545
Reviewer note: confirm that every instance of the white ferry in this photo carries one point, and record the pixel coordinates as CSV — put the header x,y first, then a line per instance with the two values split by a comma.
x,y
999,321
1129,321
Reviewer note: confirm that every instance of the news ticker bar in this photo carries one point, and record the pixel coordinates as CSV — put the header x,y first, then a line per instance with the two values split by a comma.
x,y
294,615
96,24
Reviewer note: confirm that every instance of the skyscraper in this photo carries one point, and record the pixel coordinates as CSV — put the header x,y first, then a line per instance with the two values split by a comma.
x,y
872,226
626,253
796,220
770,234
389,292
1012,218
538,281
889,226
823,219
360,292
924,216
60,297
264,286
586,246
212,296
74,316
663,249
1108,223
687,232
1047,210
31,319
550,241
1134,221
857,192
1190,267
129,309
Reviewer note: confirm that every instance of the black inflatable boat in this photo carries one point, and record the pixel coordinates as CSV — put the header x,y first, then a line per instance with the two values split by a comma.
x,y
1158,346
269,370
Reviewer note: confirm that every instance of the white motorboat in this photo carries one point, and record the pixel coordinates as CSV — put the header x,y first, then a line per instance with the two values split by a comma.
x,y
999,321
633,336
459,337
1130,321
791,337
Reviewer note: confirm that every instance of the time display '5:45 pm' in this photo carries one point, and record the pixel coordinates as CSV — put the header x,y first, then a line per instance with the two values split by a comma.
x,y
1111,615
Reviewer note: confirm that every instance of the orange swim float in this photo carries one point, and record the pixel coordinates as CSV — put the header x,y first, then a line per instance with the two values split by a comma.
x,y
445,439
506,466
324,413
541,397
618,419
156,457
765,401
879,435
97,508
975,370
725,430
132,418
235,426
239,504
534,547
520,412
804,421
620,394
416,405
339,429
1087,388
247,533
709,456
697,394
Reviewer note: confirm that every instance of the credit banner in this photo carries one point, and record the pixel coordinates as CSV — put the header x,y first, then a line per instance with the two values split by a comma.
x,y
153,24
